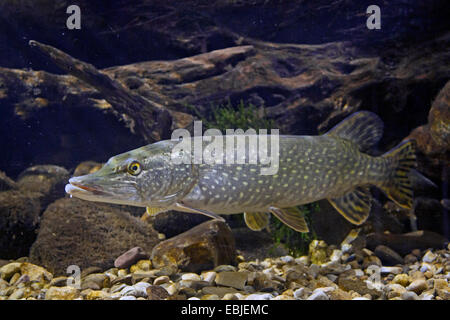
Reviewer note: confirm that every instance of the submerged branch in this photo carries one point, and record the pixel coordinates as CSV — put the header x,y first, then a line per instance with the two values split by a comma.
x,y
150,119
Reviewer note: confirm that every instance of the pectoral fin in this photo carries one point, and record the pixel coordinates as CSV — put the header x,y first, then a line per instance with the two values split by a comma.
x,y
150,212
185,208
256,221
292,217
354,206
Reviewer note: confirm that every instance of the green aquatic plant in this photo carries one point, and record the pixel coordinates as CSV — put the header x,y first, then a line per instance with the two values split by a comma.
x,y
242,116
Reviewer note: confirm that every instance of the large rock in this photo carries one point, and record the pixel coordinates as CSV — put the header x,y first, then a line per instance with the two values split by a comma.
x,y
86,234
204,247
19,219
49,180
433,138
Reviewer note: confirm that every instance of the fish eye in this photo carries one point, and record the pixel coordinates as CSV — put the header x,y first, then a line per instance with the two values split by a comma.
x,y
134,168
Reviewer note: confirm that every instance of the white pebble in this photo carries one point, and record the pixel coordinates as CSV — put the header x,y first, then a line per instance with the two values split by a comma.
x,y
318,295
128,291
287,259
128,298
256,296
359,273
393,270
209,276
118,288
171,289
346,247
426,296
360,298
194,298
191,276
160,280
141,289
299,293
336,255
429,257
427,267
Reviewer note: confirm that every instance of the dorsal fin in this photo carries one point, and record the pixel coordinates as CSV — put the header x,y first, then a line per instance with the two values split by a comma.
x,y
364,128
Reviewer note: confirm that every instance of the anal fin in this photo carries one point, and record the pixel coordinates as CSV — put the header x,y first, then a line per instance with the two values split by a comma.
x,y
355,205
292,217
256,221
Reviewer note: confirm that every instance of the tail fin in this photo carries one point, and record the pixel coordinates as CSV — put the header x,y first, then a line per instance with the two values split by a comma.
x,y
402,160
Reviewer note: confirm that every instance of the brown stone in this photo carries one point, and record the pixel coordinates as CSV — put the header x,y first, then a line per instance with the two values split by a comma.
x,y
157,293
130,257
204,247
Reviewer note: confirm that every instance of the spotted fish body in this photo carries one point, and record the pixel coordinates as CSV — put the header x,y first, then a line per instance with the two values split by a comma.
x,y
333,166
310,168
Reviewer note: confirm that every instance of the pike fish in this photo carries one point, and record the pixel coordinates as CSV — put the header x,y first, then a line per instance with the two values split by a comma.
x,y
332,166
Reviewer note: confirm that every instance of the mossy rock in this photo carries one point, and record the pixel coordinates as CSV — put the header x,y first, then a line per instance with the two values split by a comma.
x,y
86,234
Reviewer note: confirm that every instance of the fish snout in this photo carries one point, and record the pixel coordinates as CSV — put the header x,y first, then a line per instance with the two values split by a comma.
x,y
80,184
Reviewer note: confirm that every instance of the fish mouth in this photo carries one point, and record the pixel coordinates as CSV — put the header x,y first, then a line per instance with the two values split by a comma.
x,y
74,188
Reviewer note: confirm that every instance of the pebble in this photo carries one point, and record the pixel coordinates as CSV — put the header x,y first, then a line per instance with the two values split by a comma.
x,y
298,294
402,279
341,276
314,270
160,280
232,279
318,294
259,296
62,293
410,295
8,270
287,259
130,257
98,295
223,268
17,294
418,286
210,297
393,270
230,296
209,276
141,289
429,257
336,255
157,293
302,260
191,277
